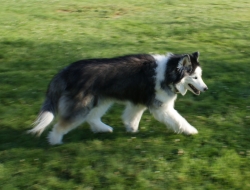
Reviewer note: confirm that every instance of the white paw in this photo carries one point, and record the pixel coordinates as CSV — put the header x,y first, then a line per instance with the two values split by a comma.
x,y
102,129
131,129
54,139
190,130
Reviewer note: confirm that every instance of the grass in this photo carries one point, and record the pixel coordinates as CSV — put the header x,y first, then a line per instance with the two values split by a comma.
x,y
38,38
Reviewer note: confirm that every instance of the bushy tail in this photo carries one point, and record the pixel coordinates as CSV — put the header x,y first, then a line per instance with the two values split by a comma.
x,y
49,108
44,118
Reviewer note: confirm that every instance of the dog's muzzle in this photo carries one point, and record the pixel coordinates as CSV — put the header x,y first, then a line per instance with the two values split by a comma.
x,y
195,90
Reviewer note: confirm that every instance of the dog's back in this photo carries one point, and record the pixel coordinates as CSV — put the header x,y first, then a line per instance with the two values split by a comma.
x,y
123,78
83,84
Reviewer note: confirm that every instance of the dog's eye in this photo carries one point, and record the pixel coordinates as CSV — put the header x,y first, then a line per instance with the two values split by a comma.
x,y
195,77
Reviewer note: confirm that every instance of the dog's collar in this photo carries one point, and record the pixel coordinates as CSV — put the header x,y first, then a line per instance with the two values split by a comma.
x,y
173,88
170,87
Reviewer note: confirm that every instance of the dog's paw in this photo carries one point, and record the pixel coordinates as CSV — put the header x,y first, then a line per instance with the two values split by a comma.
x,y
190,131
54,139
106,129
131,129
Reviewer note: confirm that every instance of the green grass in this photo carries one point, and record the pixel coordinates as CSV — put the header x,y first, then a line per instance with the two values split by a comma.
x,y
38,38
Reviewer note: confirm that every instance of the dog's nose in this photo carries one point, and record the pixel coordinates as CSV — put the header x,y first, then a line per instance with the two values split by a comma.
x,y
205,89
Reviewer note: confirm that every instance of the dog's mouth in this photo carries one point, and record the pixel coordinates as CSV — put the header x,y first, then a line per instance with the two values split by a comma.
x,y
195,90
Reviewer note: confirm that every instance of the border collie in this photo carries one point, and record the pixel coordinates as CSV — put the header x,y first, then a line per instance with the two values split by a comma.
x,y
85,90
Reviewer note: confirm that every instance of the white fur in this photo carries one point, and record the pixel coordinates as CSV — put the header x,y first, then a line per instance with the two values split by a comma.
x,y
161,61
42,121
172,119
61,128
198,83
94,118
55,137
166,113
194,79
132,116
161,94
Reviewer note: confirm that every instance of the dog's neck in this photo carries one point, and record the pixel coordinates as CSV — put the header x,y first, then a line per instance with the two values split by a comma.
x,y
173,88
170,87
167,89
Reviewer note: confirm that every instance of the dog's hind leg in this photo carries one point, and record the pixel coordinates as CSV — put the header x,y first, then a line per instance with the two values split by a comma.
x,y
71,114
94,117
62,127
132,116
171,118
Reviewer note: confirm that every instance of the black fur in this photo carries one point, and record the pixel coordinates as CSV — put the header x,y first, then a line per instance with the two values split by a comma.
x,y
93,84
130,77
123,78
174,75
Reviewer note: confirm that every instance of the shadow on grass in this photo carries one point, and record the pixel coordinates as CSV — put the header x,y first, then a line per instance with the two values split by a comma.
x,y
31,65
18,138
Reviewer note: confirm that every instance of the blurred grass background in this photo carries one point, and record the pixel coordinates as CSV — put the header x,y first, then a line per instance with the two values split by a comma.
x,y
38,38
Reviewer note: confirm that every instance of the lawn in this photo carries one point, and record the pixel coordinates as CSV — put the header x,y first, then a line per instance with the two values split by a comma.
x,y
38,38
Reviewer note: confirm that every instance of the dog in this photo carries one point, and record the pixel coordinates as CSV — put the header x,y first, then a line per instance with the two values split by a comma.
x,y
84,90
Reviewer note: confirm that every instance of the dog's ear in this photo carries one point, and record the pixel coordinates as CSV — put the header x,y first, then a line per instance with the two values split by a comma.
x,y
196,55
181,88
184,63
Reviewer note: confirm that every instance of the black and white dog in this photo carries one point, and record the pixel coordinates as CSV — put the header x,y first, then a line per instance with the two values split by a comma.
x,y
84,91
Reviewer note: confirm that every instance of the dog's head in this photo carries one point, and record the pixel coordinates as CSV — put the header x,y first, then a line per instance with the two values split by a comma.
x,y
188,73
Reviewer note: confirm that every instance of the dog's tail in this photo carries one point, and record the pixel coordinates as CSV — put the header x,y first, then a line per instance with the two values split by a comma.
x,y
49,107
44,118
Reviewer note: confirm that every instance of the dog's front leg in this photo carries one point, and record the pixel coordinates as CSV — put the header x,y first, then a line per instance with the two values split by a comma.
x,y
172,119
132,116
